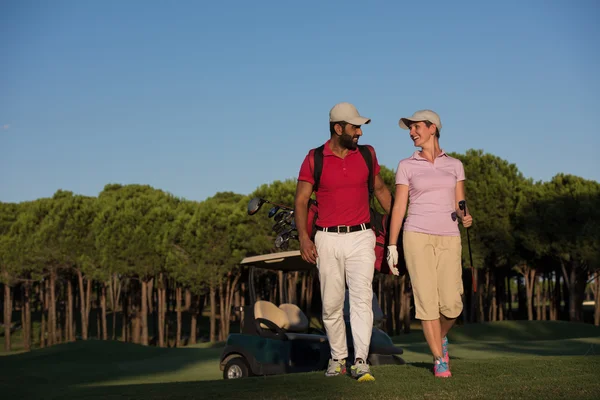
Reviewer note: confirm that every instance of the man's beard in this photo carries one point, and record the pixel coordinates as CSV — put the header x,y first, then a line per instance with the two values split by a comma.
x,y
348,141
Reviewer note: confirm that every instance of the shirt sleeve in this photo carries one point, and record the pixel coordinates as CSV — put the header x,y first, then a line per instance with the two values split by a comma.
x,y
306,173
460,171
402,174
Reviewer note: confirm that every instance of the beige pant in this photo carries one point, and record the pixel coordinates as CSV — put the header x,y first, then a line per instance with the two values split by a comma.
x,y
347,258
435,269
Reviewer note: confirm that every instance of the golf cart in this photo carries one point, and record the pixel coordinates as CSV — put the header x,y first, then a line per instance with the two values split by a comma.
x,y
278,339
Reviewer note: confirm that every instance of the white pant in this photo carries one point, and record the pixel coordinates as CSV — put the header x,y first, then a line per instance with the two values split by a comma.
x,y
350,256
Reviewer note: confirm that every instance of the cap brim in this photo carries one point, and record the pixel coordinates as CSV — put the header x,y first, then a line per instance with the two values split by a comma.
x,y
359,121
405,122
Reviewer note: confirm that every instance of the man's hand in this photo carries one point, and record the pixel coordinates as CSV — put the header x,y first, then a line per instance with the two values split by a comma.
x,y
392,259
308,250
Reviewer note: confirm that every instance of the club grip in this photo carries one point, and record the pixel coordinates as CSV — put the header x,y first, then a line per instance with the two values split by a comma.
x,y
463,206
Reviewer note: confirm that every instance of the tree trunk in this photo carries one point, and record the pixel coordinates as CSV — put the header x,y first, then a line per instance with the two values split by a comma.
x,y
389,306
213,313
163,313
149,288
493,305
510,297
406,300
52,309
178,305
103,311
228,304
552,295
193,308
596,287
397,306
86,299
576,280
500,296
43,309
538,299
144,313
309,292
188,300
281,286
124,318
302,302
529,273
221,311
70,331
114,289
401,303
545,297
27,316
7,317
482,290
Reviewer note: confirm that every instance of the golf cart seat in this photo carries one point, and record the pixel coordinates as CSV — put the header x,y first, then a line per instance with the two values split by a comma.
x,y
297,319
378,315
274,322
268,311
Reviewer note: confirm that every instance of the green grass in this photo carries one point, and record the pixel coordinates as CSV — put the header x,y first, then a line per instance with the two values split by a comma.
x,y
493,360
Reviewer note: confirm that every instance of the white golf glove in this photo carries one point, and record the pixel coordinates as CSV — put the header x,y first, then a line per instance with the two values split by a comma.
x,y
392,259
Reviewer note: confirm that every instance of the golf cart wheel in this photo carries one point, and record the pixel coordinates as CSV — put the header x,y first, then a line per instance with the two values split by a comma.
x,y
236,368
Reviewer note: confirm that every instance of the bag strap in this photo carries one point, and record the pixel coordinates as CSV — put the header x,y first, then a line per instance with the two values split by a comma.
x,y
367,153
316,164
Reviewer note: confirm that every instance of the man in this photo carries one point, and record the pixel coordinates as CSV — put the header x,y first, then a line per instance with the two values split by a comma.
x,y
344,247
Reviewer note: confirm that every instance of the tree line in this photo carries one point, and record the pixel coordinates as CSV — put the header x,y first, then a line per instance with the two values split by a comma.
x,y
145,262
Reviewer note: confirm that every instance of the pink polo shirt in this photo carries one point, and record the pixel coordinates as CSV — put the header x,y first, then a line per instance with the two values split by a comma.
x,y
343,194
431,193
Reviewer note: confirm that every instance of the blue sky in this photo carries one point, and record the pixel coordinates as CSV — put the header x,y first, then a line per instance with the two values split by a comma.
x,y
196,97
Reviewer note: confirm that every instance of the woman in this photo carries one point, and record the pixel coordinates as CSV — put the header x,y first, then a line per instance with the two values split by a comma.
x,y
434,183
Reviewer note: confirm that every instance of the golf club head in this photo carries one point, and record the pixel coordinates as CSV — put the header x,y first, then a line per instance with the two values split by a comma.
x,y
278,217
282,241
288,218
279,226
254,205
273,211
279,241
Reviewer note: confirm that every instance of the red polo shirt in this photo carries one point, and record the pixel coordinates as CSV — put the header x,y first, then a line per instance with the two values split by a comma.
x,y
343,194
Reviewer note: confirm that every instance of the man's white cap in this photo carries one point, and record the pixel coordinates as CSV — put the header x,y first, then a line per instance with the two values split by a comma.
x,y
346,112
422,115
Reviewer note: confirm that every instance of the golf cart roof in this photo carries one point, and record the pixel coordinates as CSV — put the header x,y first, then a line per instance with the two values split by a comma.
x,y
283,261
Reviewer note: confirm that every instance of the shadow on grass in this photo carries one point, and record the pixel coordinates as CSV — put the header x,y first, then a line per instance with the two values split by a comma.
x,y
98,362
554,378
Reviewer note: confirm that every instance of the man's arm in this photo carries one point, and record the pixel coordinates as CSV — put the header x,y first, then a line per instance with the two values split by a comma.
x,y
307,247
382,193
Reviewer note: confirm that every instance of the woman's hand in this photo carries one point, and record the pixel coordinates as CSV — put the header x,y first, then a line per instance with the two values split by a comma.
x,y
467,221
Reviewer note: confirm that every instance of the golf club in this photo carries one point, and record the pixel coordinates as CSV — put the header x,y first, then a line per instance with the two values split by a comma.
x,y
273,211
256,203
463,207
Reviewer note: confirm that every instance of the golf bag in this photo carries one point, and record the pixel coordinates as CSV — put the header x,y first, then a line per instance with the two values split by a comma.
x,y
380,223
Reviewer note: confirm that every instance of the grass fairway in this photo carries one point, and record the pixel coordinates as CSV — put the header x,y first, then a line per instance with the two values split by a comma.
x,y
496,360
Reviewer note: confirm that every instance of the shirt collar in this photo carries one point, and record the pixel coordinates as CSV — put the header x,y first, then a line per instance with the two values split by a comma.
x,y
417,156
327,151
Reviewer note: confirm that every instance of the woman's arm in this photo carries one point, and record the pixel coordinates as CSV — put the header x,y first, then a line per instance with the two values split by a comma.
x,y
398,212
460,195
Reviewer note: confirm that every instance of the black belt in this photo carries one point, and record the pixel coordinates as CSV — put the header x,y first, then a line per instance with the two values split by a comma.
x,y
345,228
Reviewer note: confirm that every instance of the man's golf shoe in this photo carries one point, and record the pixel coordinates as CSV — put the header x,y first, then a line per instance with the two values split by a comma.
x,y
361,371
336,367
